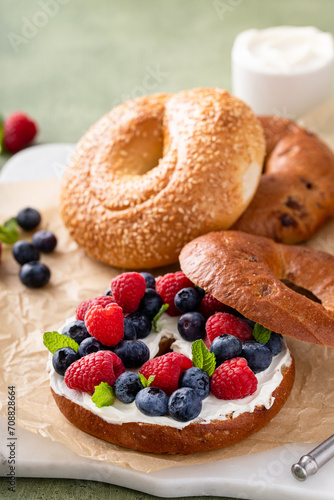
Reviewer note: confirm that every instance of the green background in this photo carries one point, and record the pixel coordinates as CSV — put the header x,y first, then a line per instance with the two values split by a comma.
x,y
90,55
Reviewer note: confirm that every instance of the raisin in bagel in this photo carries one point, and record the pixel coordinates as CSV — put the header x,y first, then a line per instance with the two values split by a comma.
x,y
157,172
245,271
295,196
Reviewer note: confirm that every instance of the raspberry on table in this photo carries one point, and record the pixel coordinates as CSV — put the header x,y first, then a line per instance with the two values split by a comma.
x,y
210,305
233,380
169,285
84,306
167,369
128,289
106,324
89,371
18,131
221,323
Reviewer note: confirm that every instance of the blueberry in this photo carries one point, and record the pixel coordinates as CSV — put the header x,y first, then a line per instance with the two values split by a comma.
x,y
108,292
152,401
187,300
275,343
258,355
150,280
63,358
191,326
127,387
226,347
76,330
196,379
129,330
151,303
201,292
89,345
142,323
28,218
44,241
184,404
133,353
34,274
24,252
241,316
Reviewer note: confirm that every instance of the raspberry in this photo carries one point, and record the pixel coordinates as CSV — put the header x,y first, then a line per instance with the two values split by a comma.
x,y
84,307
167,369
128,290
18,131
210,305
221,323
167,287
106,324
89,371
233,380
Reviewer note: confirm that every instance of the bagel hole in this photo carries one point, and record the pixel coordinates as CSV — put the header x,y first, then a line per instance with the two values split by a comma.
x,y
301,291
144,149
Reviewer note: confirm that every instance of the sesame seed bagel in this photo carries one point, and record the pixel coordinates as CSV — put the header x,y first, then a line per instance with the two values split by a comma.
x,y
245,272
295,196
157,172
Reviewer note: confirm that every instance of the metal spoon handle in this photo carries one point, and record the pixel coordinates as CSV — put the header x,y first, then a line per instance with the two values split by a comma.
x,y
309,464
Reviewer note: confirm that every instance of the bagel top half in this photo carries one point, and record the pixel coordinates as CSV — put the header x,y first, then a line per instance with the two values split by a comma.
x,y
158,171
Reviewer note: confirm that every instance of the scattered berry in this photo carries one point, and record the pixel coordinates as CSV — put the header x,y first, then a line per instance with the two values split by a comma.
x,y
191,326
133,353
82,308
44,241
28,218
129,330
184,404
34,274
24,252
226,347
87,372
151,303
142,324
167,370
221,323
241,316
201,292
233,380
196,379
187,300
210,305
149,279
258,355
76,330
127,387
167,287
106,324
88,346
108,292
152,401
275,343
18,131
63,358
128,290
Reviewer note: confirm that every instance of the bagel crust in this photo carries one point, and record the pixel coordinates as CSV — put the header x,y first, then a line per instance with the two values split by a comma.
x,y
192,438
157,172
295,196
245,271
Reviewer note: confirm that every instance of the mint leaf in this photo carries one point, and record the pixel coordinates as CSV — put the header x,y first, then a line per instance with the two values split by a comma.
x,y
202,357
103,395
8,232
54,341
146,382
163,308
261,334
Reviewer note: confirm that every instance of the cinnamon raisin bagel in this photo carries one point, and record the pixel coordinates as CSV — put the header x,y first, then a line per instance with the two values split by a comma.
x,y
157,172
245,271
295,196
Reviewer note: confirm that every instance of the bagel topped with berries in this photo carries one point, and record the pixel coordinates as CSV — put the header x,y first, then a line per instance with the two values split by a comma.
x,y
162,366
